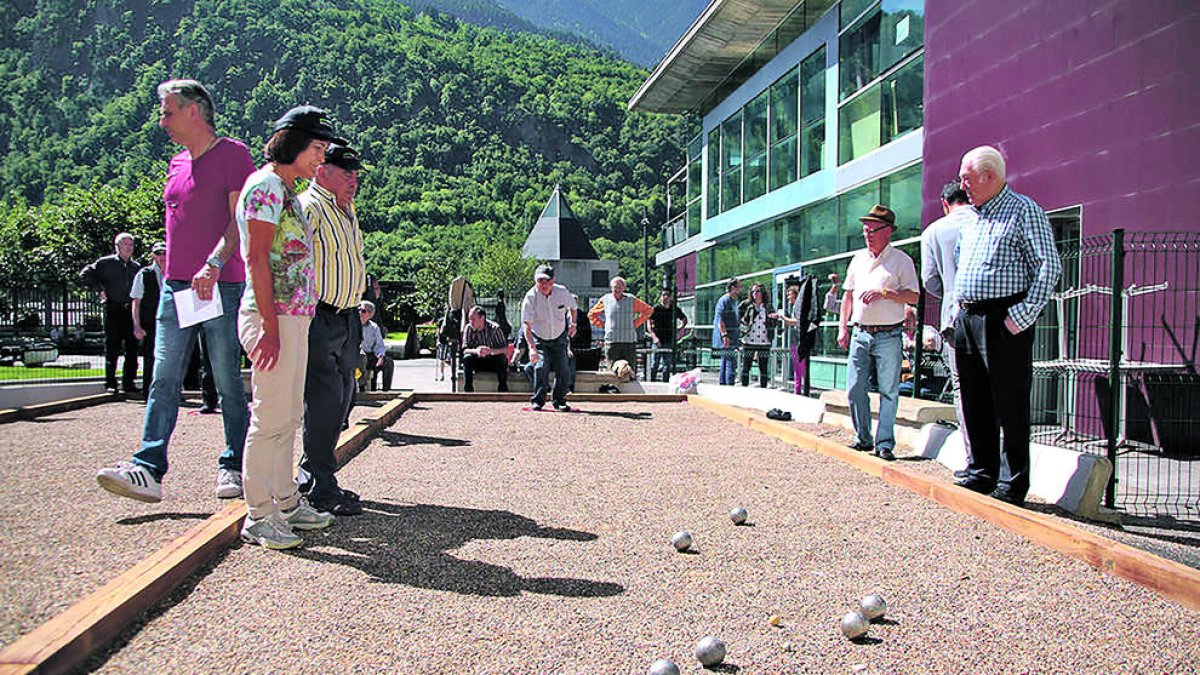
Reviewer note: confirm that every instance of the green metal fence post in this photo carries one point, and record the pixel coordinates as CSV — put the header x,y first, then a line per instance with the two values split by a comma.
x,y
1116,386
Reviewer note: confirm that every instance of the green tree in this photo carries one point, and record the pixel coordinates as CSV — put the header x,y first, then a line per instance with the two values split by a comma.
x,y
502,268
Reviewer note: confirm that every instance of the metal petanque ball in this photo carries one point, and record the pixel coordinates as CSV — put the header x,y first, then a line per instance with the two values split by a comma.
x,y
854,625
682,540
738,516
710,651
663,667
872,606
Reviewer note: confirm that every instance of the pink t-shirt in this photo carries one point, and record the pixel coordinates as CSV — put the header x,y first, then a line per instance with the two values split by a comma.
x,y
197,200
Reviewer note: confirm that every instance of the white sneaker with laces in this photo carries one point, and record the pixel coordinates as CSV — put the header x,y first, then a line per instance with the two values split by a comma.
x,y
229,484
305,517
130,480
270,532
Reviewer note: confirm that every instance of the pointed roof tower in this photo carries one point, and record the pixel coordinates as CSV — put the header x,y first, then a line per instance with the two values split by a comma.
x,y
557,234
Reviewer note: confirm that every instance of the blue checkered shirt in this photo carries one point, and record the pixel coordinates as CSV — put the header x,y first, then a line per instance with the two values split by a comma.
x,y
1008,249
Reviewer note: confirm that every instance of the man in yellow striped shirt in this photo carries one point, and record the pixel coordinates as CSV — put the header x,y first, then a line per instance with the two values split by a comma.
x,y
335,332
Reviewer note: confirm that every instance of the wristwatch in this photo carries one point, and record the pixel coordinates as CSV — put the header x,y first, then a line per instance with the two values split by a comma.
x,y
215,262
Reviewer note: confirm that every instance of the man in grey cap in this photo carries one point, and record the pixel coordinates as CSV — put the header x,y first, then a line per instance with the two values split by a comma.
x,y
548,317
336,332
147,286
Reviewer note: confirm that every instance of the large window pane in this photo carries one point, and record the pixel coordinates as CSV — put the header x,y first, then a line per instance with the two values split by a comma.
x,y
694,178
704,266
756,124
850,10
859,125
901,192
763,245
859,55
784,106
756,176
903,100
820,220
724,260
731,143
731,189
797,238
714,172
783,163
693,219
852,205
902,30
812,95
812,149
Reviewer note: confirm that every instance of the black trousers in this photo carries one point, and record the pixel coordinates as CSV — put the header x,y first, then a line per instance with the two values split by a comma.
x,y
119,340
148,357
333,341
995,375
472,364
762,355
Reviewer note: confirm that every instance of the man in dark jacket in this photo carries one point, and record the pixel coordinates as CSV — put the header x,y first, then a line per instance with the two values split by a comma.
x,y
147,286
113,276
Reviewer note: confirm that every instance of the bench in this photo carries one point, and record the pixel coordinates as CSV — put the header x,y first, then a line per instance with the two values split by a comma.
x,y
586,381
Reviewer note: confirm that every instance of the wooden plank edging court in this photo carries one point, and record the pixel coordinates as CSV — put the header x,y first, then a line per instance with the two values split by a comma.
x,y
1174,581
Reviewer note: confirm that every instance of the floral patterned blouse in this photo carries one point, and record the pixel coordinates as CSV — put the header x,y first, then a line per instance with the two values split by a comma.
x,y
265,198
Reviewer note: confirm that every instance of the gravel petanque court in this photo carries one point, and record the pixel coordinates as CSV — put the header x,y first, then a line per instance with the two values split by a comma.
x,y
501,541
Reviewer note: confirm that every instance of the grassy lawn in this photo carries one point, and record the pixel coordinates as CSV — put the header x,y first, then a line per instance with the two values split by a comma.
x,y
396,336
16,373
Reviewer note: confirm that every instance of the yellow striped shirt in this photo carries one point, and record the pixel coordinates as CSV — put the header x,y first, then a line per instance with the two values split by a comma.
x,y
341,270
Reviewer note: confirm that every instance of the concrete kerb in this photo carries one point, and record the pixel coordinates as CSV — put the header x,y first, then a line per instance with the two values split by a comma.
x,y
42,409
1174,581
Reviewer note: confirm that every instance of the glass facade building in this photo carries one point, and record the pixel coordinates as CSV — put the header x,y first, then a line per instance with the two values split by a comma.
x,y
812,128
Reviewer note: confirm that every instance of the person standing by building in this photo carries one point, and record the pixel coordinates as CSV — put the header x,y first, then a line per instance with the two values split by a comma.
x,y
484,349
147,286
880,282
727,331
666,320
273,324
758,325
335,334
803,318
1008,266
113,277
620,315
547,317
373,356
202,187
939,241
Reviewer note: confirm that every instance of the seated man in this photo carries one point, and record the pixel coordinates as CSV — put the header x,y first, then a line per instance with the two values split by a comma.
x,y
484,348
373,356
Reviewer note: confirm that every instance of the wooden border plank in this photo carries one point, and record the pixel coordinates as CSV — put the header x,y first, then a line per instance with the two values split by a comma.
x,y
1174,581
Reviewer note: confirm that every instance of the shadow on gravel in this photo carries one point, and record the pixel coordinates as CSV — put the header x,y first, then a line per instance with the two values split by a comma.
x,y
412,543
155,517
622,415
395,440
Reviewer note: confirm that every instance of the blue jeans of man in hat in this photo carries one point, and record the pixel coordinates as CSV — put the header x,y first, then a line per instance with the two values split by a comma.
x,y
880,352
552,354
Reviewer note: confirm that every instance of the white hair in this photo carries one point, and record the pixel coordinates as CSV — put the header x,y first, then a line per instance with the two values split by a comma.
x,y
367,305
122,237
986,158
614,281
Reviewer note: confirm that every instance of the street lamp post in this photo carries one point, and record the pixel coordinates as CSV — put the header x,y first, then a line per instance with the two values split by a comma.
x,y
645,253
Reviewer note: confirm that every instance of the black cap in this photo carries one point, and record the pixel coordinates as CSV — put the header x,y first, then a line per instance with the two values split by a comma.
x,y
343,156
543,272
309,119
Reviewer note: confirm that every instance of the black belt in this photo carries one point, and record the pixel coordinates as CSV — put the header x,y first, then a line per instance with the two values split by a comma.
x,y
878,328
991,304
331,309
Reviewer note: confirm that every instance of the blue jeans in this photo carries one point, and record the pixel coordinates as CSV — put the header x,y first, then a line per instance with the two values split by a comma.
x,y
552,354
729,362
172,348
662,361
882,353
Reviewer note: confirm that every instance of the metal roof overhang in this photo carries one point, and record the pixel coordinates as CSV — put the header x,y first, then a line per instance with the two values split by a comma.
x,y
724,34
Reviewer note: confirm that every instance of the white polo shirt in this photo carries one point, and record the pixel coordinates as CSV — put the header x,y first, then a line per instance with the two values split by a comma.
x,y
892,270
547,314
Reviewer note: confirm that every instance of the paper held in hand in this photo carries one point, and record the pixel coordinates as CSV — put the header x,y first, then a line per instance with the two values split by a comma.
x,y
192,310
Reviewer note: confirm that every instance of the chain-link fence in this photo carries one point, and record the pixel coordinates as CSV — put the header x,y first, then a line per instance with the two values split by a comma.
x,y
49,333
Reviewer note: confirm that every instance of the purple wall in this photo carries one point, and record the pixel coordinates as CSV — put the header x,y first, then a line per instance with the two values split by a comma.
x,y
685,275
1091,102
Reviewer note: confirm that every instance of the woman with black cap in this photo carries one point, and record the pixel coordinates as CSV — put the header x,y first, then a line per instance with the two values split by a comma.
x,y
273,325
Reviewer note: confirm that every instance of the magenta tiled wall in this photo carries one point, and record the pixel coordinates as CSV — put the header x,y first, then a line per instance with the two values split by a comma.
x,y
1093,103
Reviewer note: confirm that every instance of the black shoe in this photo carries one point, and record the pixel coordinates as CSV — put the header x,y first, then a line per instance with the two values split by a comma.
x,y
862,448
885,454
208,410
961,473
562,407
351,495
975,485
1008,496
536,406
338,505
132,389
111,390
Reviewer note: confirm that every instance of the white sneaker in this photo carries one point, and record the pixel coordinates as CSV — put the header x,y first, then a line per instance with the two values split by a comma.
x,y
229,484
130,480
305,517
270,532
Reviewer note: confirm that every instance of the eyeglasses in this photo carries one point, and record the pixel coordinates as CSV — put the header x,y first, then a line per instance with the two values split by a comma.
x,y
873,230
363,310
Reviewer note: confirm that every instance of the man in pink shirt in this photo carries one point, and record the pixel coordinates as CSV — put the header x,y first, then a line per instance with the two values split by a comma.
x,y
203,183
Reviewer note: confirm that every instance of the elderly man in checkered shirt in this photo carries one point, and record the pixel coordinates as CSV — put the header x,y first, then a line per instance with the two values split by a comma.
x,y
1007,268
